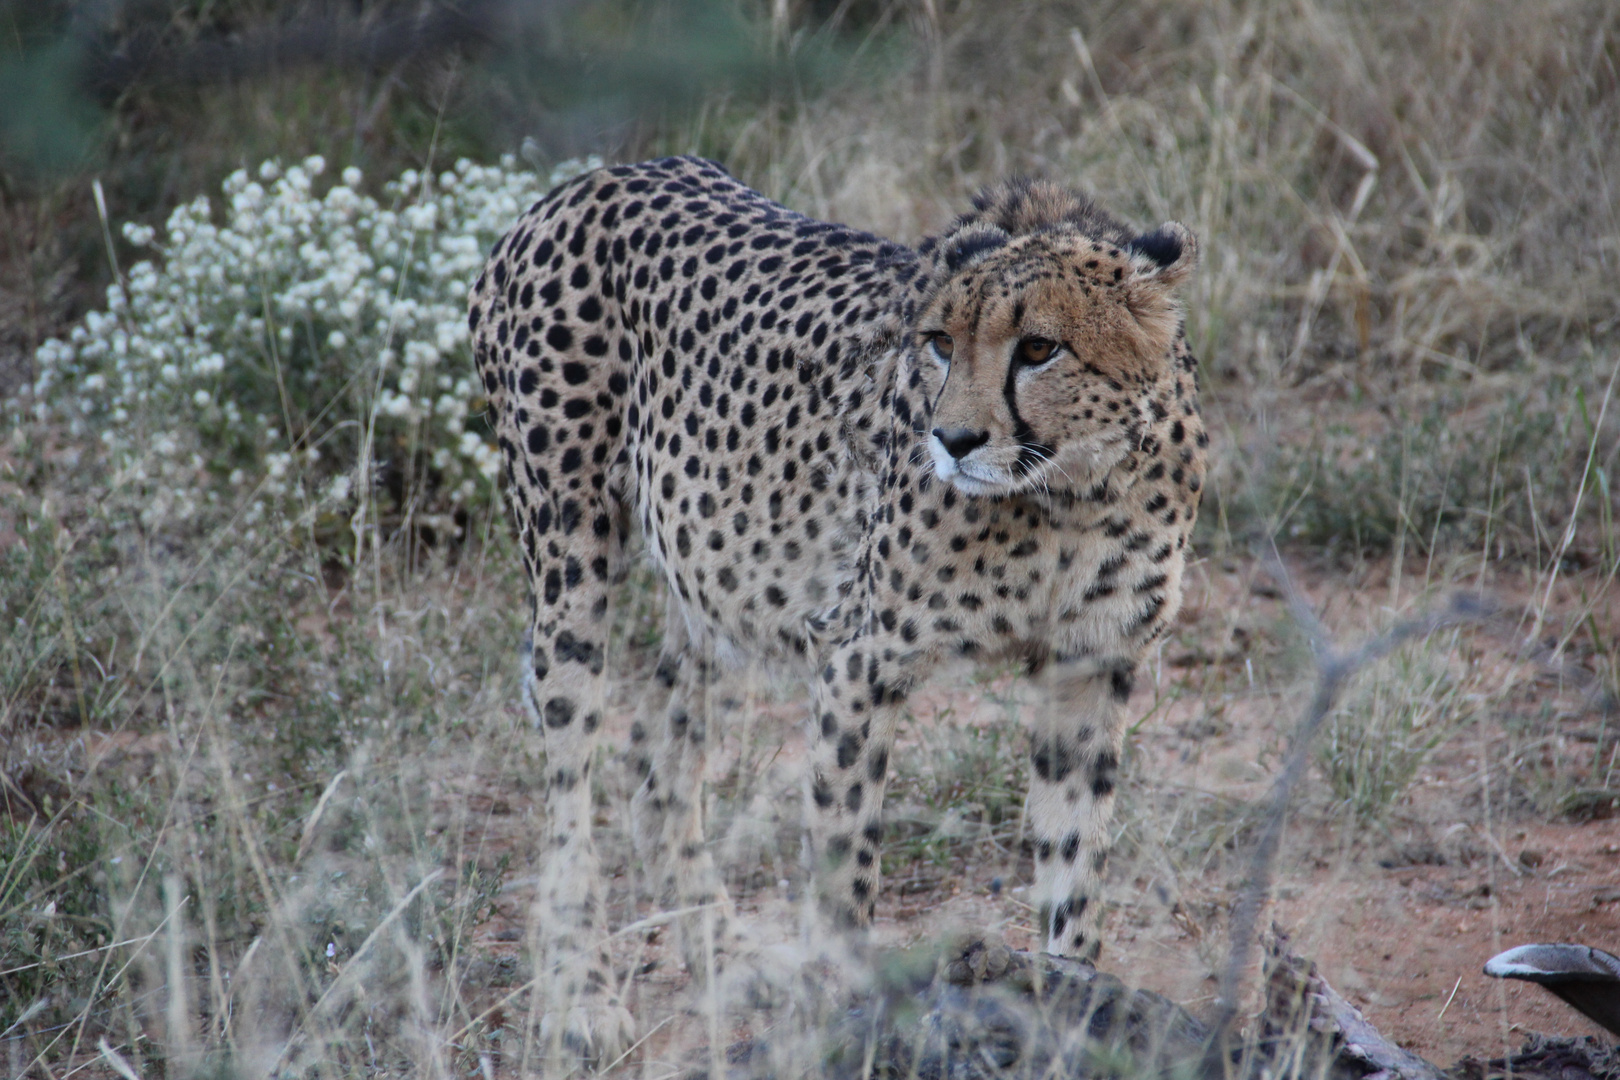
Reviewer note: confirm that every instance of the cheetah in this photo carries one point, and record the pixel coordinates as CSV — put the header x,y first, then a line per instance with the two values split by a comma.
x,y
845,455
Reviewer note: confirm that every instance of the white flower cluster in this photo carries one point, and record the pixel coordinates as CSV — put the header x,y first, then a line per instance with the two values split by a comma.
x,y
261,356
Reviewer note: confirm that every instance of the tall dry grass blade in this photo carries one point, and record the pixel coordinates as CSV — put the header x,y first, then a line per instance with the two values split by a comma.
x,y
312,822
116,1061
330,996
1568,537
181,1038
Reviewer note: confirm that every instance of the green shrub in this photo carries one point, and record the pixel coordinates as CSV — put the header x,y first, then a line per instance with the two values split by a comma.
x,y
1376,741
1507,476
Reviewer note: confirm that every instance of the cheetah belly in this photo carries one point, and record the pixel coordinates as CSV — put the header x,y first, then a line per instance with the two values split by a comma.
x,y
756,574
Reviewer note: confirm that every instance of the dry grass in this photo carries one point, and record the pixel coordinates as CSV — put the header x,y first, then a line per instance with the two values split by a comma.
x,y
270,812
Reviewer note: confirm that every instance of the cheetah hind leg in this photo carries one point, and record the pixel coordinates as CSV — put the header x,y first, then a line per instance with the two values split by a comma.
x,y
584,1024
652,760
588,1036
667,813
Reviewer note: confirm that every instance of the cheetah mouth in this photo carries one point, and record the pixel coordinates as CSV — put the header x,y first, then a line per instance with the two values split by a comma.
x,y
971,485
968,476
1074,468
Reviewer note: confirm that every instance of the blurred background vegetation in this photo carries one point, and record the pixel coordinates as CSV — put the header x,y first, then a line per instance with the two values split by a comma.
x,y
1406,209
1407,316
160,100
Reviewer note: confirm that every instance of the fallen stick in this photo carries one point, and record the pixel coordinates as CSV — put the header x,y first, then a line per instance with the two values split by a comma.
x,y
982,1012
1303,1010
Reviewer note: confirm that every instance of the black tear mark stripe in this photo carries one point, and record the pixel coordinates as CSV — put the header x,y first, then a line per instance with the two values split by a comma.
x,y
1031,451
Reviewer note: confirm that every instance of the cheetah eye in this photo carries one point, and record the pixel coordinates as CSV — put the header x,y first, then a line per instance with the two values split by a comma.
x,y
943,345
1036,351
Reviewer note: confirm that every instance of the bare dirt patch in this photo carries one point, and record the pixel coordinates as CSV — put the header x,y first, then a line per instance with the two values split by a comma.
x,y
1400,905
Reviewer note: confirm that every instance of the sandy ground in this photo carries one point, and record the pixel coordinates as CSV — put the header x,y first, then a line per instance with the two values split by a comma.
x,y
1400,911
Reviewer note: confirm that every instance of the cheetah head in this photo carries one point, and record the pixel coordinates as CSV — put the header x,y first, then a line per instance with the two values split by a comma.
x,y
1047,341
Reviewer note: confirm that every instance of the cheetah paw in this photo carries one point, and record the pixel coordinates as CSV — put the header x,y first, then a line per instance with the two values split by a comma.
x,y
756,976
594,1036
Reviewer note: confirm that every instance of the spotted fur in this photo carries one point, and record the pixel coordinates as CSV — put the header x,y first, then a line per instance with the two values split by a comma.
x,y
841,453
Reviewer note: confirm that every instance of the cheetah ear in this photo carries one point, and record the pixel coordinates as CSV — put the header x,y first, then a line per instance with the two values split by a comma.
x,y
1167,256
1161,261
972,244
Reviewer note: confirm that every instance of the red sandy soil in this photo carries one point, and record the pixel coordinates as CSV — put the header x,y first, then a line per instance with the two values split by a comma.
x,y
1399,913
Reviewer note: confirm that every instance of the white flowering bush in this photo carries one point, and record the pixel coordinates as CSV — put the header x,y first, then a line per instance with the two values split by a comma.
x,y
262,362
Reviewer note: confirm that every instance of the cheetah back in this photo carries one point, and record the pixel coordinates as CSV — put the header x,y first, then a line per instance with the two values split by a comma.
x,y
663,341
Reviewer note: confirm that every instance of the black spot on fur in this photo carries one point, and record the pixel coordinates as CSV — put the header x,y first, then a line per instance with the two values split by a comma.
x,y
1121,681
1053,759
976,242
559,712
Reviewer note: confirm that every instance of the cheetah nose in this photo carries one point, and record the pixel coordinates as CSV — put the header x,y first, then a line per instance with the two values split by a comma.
x,y
960,442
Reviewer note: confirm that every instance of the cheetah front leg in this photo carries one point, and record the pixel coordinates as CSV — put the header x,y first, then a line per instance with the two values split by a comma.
x,y
1077,733
857,702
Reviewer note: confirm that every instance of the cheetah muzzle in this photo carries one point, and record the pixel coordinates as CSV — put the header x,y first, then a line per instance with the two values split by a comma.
x,y
846,455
